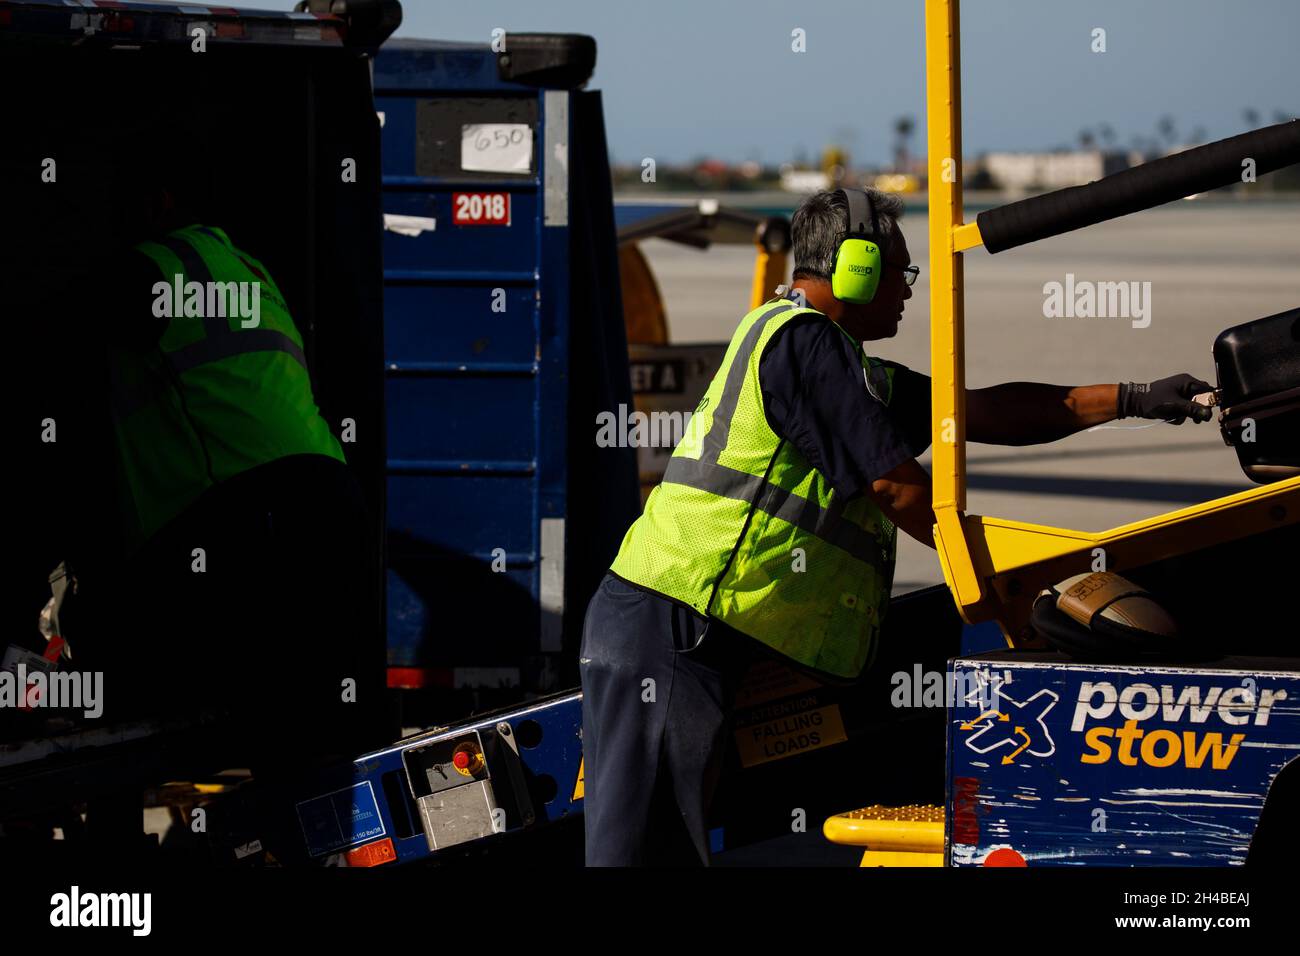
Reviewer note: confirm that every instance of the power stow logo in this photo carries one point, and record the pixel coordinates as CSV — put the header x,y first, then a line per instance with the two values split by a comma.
x,y
1112,720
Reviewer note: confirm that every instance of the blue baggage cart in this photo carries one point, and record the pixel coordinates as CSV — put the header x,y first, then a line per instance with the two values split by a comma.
x,y
503,338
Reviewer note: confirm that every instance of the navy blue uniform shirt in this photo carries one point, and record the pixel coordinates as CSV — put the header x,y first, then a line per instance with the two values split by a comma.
x,y
815,395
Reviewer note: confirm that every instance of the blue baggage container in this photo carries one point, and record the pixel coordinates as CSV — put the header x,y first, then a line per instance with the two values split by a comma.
x,y
503,338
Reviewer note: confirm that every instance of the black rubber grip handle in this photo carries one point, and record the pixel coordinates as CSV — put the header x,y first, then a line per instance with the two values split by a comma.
x,y
1132,190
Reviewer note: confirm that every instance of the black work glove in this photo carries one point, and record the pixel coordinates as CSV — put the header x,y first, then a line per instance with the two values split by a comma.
x,y
1169,399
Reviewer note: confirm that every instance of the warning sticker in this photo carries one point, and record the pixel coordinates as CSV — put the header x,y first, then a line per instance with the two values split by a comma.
x,y
579,790
340,819
786,728
770,680
372,854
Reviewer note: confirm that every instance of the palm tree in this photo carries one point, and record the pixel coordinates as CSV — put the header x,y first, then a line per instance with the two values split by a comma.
x,y
903,127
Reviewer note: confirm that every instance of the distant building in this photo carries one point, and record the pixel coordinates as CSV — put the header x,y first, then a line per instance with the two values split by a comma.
x,y
1035,171
804,180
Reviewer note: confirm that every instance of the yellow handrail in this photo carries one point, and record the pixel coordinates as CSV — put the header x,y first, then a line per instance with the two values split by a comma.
x,y
947,349
994,566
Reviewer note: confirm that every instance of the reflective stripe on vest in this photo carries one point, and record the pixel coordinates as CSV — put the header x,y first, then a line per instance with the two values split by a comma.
x,y
220,340
707,475
779,503
716,439
744,529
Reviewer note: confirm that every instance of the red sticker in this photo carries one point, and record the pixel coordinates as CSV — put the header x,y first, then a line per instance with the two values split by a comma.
x,y
480,209
1004,856
372,854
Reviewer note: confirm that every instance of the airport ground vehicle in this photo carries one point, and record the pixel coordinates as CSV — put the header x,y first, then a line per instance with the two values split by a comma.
x,y
1026,783
468,781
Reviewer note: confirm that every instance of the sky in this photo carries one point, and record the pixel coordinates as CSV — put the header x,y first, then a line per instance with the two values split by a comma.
x,y
686,79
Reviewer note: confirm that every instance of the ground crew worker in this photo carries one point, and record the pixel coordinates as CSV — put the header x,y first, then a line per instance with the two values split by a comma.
x,y
225,555
242,571
773,530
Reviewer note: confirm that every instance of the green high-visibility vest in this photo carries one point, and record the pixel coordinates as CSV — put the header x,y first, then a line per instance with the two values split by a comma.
x,y
743,529
220,394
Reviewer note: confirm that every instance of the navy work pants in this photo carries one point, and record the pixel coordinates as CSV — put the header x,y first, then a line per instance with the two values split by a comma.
x,y
658,684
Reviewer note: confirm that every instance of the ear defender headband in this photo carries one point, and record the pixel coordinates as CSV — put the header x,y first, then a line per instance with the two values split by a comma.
x,y
855,273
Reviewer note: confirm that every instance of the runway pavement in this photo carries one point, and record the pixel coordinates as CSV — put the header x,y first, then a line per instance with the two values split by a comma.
x,y
1210,265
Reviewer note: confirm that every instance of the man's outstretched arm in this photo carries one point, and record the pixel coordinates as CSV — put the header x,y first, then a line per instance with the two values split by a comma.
x,y
1030,413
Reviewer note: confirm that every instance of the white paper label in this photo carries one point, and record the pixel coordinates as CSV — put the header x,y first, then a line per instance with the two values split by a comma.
x,y
409,225
496,147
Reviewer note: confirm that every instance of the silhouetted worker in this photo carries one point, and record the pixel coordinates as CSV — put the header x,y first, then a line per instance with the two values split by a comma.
x,y
240,571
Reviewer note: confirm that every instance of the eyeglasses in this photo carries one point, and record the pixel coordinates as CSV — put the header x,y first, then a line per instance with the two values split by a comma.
x,y
909,273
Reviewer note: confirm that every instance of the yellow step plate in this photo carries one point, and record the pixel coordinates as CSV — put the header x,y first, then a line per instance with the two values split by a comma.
x,y
891,858
890,830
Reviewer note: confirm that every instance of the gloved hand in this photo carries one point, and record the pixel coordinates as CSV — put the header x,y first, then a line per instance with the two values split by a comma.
x,y
1168,398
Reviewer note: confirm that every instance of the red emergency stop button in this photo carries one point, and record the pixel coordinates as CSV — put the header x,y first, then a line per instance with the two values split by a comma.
x,y
467,759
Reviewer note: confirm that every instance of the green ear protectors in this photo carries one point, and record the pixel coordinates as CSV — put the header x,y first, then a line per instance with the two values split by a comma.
x,y
855,273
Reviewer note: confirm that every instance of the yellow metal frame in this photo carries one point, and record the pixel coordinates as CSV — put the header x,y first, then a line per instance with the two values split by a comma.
x,y
994,566
769,272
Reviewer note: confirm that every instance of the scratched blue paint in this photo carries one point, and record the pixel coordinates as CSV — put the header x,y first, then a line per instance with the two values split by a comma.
x,y
1026,770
